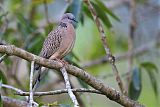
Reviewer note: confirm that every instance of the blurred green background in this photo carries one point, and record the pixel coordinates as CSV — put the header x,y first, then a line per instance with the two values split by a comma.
x,y
26,23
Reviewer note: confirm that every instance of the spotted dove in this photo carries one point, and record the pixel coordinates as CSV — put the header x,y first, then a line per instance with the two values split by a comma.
x,y
60,41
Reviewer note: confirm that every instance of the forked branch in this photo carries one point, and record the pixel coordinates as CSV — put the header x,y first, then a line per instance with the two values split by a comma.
x,y
111,93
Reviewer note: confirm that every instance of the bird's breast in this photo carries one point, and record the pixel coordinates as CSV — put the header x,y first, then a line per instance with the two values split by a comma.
x,y
67,43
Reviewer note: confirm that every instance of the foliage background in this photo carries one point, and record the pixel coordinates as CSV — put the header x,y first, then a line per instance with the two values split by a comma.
x,y
26,23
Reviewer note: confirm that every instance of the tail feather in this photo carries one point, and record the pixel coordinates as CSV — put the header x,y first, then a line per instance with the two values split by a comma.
x,y
37,67
37,81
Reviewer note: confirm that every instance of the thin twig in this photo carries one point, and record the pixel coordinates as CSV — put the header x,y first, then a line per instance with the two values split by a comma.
x,y
62,91
130,40
110,92
12,88
11,102
17,91
109,55
138,51
46,12
3,57
5,22
22,93
112,4
79,99
31,84
68,87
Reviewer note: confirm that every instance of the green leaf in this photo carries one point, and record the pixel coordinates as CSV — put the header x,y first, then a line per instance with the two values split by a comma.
x,y
101,14
3,15
41,104
75,56
70,56
149,66
8,61
75,8
3,78
36,2
82,19
103,7
82,83
24,25
135,85
53,104
34,46
64,105
152,71
87,12
6,34
1,103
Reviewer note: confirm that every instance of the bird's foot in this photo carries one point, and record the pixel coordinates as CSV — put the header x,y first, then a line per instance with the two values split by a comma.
x,y
62,61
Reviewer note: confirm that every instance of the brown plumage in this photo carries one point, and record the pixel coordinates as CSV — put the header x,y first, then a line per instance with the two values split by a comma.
x,y
60,41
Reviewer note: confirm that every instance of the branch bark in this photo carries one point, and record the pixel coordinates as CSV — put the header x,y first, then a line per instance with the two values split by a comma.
x,y
111,93
60,92
31,84
109,55
10,102
133,26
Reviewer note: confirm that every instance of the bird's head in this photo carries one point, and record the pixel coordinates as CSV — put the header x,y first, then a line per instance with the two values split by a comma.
x,y
68,17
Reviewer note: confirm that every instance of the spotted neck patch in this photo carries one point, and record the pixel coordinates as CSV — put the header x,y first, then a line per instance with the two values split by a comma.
x,y
63,24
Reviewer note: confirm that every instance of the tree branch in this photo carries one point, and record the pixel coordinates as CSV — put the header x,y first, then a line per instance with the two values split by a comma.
x,y
12,88
68,87
133,26
60,92
46,11
10,102
109,55
22,93
111,93
3,57
31,84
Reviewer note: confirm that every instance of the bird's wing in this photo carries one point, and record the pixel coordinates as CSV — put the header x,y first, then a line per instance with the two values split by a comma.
x,y
52,43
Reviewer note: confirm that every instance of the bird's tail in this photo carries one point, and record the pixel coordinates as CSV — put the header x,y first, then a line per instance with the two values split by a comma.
x,y
37,80
37,67
41,73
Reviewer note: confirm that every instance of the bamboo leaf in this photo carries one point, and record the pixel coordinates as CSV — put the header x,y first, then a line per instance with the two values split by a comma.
x,y
37,2
1,102
3,78
135,85
109,12
152,71
101,14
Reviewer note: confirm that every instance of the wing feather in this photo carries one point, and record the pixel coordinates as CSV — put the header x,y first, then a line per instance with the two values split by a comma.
x,y
51,43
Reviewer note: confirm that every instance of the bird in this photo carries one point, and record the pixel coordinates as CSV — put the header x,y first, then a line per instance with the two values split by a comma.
x,y
59,42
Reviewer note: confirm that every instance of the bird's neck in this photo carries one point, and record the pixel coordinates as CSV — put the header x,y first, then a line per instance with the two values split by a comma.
x,y
63,24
